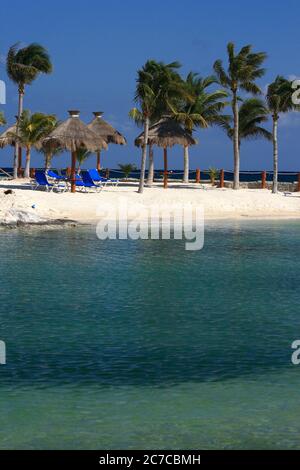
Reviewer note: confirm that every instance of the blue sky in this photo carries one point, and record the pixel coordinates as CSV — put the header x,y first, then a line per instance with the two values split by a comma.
x,y
96,47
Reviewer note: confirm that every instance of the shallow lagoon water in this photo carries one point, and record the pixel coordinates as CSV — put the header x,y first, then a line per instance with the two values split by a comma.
x,y
141,344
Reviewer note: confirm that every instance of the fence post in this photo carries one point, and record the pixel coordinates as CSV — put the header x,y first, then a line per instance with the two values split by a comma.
x,y
107,173
32,172
221,185
298,186
263,179
198,175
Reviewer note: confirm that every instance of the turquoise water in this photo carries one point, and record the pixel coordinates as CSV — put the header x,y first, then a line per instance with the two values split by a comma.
x,y
125,344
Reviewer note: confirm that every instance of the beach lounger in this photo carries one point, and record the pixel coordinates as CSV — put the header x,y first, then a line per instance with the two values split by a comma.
x,y
88,182
41,181
100,179
53,174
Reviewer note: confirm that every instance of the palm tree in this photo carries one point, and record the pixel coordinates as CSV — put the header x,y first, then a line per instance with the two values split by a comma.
x,y
32,129
127,168
48,154
2,119
244,69
82,155
23,67
137,116
199,108
279,99
252,113
158,84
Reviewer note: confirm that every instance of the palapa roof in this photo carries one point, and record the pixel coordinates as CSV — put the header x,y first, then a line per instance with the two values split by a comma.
x,y
166,133
73,134
6,138
105,130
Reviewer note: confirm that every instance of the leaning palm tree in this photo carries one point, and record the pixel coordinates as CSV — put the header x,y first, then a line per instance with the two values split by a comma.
x,y
23,67
32,128
279,99
199,108
244,68
158,84
252,114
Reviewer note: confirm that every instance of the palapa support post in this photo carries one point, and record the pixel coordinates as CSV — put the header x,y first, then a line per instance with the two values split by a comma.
x,y
165,168
298,185
263,179
73,172
98,161
198,175
221,178
32,172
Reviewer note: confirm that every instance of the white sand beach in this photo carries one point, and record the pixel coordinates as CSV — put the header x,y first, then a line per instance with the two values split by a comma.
x,y
38,205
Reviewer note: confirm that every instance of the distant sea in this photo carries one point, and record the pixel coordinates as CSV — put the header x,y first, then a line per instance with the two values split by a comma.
x,y
245,176
141,344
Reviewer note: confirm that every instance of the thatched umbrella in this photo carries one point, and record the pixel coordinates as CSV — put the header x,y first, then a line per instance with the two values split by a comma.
x,y
73,135
7,138
166,133
106,131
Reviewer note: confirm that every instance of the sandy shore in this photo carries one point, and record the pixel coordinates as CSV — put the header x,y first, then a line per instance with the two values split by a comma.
x,y
85,207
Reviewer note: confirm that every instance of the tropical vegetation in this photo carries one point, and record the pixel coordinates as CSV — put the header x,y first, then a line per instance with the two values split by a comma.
x,y
23,66
279,99
32,128
127,168
252,114
244,68
196,102
199,107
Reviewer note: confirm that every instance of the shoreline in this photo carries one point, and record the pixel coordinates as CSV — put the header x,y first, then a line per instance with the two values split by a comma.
x,y
36,206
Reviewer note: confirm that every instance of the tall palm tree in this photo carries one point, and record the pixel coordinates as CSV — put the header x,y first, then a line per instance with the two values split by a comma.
x,y
23,67
158,84
137,117
199,108
279,99
244,68
32,129
252,113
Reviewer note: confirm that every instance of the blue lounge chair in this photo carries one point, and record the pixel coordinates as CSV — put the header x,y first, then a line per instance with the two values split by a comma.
x,y
53,174
42,181
89,183
100,179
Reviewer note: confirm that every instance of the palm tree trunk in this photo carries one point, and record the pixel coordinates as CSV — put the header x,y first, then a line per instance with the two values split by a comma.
x,y
16,154
236,150
144,156
275,155
186,165
73,172
47,161
98,161
27,166
151,167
